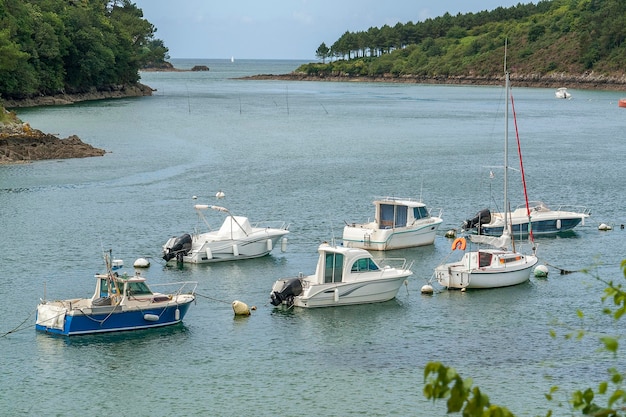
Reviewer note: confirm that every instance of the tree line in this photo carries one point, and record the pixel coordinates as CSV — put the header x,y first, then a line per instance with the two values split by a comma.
x,y
571,36
55,46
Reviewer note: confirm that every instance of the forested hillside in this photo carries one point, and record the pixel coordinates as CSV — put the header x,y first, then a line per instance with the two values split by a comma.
x,y
573,37
71,46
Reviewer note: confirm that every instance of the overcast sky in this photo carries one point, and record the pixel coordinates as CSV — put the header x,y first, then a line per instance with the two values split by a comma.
x,y
283,29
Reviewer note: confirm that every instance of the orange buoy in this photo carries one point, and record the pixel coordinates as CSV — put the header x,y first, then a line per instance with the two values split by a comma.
x,y
459,243
622,102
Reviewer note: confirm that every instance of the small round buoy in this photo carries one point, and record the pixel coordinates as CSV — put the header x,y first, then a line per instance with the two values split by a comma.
x,y
220,194
541,271
141,263
195,197
427,289
240,308
604,226
450,233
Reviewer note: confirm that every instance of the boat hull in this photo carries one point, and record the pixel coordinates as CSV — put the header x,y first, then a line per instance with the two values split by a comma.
x,y
342,294
230,250
364,237
70,322
541,227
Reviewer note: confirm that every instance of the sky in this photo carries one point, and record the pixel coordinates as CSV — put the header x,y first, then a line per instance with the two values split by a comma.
x,y
283,29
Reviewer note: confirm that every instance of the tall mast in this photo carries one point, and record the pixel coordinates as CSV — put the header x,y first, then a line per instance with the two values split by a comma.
x,y
506,141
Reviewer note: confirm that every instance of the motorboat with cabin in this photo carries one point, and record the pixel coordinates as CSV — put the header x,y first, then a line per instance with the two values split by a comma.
x,y
398,223
236,239
343,276
538,218
120,302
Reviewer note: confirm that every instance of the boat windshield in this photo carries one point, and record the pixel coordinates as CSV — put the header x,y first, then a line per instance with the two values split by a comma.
x,y
420,213
138,288
364,265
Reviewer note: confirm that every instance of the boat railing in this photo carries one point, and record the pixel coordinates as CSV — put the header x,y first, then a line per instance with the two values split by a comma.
x,y
184,287
397,263
438,211
540,206
271,224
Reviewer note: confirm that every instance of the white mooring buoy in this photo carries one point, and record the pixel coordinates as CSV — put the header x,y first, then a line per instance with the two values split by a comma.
x,y
427,289
541,271
141,263
604,226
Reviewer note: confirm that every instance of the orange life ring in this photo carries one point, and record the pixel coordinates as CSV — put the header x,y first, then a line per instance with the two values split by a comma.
x,y
459,243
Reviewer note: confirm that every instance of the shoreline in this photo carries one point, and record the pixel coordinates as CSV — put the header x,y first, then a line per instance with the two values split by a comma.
x,y
584,82
62,99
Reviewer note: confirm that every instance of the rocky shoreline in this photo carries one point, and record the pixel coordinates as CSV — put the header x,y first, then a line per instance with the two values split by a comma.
x,y
589,81
19,143
116,91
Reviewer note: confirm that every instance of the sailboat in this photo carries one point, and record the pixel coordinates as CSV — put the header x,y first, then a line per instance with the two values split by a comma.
x,y
499,265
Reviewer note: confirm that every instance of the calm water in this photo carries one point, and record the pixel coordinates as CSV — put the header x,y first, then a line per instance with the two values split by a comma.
x,y
315,155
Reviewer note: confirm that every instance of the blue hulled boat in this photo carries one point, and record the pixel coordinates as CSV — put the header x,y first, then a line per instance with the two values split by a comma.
x,y
120,302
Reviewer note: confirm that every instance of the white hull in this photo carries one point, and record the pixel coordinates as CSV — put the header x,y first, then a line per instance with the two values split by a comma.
x,y
341,294
203,251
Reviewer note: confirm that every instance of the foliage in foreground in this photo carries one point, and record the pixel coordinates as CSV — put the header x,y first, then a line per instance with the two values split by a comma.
x,y
443,382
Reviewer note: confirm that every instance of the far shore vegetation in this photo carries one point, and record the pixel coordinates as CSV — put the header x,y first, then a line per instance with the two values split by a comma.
x,y
571,37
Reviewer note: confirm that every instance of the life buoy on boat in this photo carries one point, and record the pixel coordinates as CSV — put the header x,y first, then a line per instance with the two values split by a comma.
x,y
459,243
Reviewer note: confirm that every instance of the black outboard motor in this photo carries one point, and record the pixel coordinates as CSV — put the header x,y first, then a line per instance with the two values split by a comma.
x,y
290,289
181,247
483,217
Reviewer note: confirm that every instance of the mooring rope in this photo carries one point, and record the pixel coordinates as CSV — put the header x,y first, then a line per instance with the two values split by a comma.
x,y
214,299
18,328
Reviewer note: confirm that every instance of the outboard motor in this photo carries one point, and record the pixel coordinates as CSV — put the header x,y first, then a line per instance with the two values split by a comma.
x,y
483,217
291,288
179,248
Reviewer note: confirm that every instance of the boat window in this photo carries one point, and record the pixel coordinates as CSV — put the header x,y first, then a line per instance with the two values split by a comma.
x,y
386,216
364,265
484,259
138,288
333,267
104,289
420,212
401,216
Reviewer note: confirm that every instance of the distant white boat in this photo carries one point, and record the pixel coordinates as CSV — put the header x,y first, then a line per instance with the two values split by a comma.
x,y
232,59
562,93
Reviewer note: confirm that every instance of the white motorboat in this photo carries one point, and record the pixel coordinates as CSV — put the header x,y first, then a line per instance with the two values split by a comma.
x,y
494,267
343,276
236,239
562,93
398,223
542,220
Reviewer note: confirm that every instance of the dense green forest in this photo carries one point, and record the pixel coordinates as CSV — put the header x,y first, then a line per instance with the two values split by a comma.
x,y
53,46
560,36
